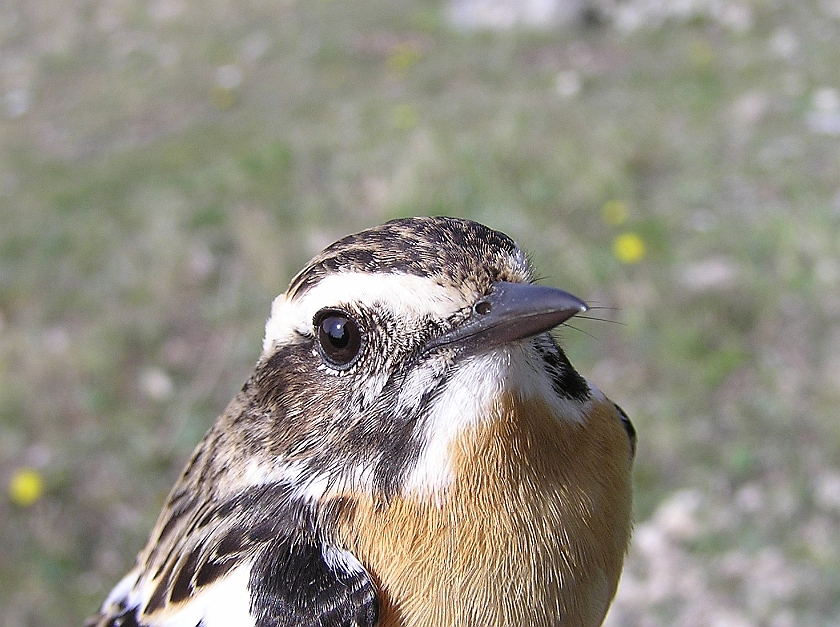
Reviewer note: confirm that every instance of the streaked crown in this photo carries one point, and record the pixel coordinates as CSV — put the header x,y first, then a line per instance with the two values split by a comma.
x,y
451,252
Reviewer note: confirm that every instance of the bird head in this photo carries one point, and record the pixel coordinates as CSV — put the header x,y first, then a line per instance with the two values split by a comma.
x,y
389,344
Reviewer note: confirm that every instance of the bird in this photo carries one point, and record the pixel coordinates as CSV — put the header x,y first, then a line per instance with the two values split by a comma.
x,y
412,449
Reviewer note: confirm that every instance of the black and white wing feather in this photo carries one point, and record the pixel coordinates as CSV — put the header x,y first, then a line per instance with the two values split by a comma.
x,y
229,551
274,570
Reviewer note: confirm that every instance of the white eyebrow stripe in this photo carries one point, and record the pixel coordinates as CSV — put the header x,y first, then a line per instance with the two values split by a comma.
x,y
403,294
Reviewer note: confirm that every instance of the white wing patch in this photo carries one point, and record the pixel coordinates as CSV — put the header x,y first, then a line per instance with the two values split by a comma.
x,y
224,603
340,560
126,591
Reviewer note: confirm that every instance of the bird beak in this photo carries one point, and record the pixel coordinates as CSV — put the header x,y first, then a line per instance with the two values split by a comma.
x,y
511,312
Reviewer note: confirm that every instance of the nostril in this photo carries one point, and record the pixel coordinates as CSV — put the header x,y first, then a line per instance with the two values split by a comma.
x,y
482,307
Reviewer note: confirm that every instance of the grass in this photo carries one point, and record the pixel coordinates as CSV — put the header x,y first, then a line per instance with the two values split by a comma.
x,y
152,205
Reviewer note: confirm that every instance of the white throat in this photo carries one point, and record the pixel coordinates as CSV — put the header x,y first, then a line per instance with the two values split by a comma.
x,y
467,401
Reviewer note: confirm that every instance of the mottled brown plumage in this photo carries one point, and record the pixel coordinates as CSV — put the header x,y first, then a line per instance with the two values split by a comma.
x,y
413,449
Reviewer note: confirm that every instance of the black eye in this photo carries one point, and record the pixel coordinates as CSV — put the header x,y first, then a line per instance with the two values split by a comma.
x,y
339,337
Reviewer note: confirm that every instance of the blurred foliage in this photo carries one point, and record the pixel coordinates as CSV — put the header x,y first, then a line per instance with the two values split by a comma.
x,y
166,167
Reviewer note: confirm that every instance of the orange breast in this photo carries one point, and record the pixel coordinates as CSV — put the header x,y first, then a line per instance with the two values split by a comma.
x,y
532,531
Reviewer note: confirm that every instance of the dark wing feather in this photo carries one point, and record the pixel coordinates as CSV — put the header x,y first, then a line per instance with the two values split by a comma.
x,y
292,585
214,523
297,578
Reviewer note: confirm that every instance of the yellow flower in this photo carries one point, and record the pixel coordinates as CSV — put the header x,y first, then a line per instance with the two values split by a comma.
x,y
614,212
629,248
26,486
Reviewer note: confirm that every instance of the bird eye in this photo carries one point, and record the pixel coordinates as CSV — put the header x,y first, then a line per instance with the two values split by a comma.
x,y
339,337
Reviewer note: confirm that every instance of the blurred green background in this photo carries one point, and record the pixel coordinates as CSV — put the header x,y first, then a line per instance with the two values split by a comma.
x,y
166,167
